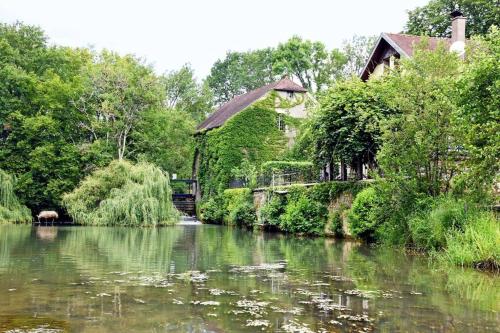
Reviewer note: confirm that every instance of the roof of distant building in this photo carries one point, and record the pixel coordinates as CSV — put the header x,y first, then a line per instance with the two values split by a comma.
x,y
238,103
403,44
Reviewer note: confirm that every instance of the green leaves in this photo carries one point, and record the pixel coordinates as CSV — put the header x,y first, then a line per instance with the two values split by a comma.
x,y
347,126
433,19
240,72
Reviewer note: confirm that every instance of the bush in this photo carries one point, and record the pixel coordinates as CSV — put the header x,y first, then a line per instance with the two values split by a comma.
x,y
238,207
303,215
271,212
123,194
212,210
11,210
363,219
243,214
429,228
304,168
477,245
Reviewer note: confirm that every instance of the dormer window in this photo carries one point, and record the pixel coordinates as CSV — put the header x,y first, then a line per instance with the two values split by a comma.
x,y
290,94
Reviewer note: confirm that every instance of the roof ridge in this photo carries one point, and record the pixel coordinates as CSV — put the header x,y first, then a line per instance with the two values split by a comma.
x,y
242,101
410,35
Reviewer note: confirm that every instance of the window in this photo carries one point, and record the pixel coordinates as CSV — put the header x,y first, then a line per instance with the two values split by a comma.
x,y
290,94
281,123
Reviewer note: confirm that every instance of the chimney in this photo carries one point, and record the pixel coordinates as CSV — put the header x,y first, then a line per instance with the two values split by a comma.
x,y
458,21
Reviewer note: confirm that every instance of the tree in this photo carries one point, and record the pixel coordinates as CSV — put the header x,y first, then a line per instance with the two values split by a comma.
x,y
240,72
165,138
479,113
357,50
185,94
39,126
310,62
420,145
119,91
347,127
433,19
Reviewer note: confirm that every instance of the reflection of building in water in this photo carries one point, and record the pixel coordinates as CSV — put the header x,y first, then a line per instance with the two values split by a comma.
x,y
46,233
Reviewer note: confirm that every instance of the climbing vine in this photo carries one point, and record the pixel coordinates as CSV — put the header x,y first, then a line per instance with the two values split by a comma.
x,y
251,135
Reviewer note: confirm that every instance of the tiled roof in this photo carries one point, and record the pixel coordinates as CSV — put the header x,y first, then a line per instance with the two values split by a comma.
x,y
238,103
403,44
407,43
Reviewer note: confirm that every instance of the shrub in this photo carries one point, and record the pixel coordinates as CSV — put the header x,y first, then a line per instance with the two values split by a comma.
x,y
272,210
238,207
477,245
303,215
123,194
212,210
429,228
363,220
11,210
304,169
243,214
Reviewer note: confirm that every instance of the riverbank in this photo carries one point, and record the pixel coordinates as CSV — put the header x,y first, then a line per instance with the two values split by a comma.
x,y
446,228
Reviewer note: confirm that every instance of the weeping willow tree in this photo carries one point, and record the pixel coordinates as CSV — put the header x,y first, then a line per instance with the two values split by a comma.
x,y
123,194
11,210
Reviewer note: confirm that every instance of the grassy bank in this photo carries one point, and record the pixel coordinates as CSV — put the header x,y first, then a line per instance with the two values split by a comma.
x,y
452,229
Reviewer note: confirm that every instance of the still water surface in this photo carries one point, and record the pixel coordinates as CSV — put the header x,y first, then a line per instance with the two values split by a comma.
x,y
217,279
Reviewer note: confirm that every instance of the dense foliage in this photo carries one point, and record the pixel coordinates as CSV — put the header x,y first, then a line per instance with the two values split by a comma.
x,y
65,112
438,157
349,121
433,19
479,113
308,210
309,62
240,72
242,138
10,208
123,194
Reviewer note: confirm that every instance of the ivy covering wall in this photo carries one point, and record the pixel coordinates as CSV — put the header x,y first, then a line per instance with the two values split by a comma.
x,y
251,135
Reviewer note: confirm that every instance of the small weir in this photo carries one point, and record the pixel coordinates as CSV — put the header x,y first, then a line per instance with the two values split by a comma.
x,y
184,195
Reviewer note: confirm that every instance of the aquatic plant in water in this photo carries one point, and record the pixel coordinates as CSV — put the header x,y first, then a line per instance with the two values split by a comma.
x,y
123,194
11,210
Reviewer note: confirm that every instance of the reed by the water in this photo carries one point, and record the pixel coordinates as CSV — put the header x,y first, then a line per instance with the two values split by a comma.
x,y
11,210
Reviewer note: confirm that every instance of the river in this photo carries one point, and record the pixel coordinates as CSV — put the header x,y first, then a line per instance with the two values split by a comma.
x,y
202,278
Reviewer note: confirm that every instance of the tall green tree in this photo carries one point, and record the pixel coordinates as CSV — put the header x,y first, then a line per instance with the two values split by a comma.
x,y
310,62
185,94
39,125
240,72
433,19
478,117
166,138
420,145
357,50
65,112
119,91
347,126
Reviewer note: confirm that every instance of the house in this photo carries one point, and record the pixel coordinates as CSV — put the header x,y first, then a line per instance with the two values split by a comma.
x,y
285,88
275,109
388,50
389,47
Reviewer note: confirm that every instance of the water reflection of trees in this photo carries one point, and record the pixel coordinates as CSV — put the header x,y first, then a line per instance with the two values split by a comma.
x,y
454,294
121,249
12,238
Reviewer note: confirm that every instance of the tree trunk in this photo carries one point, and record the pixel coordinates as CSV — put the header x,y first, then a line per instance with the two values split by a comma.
x,y
343,171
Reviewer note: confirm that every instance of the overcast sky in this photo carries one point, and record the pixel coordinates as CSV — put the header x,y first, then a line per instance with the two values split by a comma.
x,y
169,34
